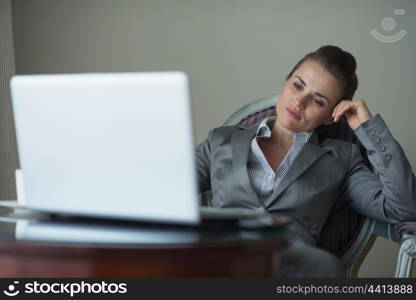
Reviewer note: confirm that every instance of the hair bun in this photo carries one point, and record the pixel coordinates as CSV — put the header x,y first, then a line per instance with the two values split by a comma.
x,y
346,62
351,64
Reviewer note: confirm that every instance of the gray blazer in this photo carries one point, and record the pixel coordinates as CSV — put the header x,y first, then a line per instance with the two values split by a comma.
x,y
324,172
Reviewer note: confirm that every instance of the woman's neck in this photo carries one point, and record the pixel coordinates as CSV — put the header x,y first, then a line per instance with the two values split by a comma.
x,y
281,137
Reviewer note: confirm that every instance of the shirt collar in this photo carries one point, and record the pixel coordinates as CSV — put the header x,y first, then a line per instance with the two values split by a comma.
x,y
265,131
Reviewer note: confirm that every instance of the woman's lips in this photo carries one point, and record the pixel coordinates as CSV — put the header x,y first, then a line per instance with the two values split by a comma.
x,y
293,114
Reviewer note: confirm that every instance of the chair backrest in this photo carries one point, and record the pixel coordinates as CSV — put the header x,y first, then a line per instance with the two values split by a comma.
x,y
343,226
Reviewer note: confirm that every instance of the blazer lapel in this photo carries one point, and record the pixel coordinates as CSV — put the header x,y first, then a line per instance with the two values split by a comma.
x,y
240,146
309,154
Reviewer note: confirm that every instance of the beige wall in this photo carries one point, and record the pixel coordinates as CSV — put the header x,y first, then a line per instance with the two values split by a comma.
x,y
234,51
8,153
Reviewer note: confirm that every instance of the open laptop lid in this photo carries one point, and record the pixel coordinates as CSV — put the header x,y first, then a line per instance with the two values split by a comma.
x,y
107,145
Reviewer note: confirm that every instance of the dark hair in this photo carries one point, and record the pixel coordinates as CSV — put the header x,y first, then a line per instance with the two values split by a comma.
x,y
339,63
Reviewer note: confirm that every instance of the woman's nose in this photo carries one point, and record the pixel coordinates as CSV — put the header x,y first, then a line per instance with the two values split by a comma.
x,y
300,100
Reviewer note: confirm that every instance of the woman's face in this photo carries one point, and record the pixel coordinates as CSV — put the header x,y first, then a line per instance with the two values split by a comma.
x,y
308,98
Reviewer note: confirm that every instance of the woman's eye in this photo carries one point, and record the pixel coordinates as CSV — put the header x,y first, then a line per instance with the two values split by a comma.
x,y
318,102
297,86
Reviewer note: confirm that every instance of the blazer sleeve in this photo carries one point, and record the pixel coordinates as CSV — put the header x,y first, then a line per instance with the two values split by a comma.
x,y
203,163
388,194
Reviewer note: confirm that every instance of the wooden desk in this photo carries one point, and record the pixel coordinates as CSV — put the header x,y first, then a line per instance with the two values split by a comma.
x,y
33,246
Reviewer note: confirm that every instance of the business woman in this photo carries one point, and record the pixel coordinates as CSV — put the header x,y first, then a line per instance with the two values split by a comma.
x,y
282,166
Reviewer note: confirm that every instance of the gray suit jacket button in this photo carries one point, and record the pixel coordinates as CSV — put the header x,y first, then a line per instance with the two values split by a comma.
x,y
373,132
387,156
383,149
377,140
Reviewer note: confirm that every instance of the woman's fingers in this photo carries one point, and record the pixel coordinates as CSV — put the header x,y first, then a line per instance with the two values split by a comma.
x,y
341,109
336,109
356,112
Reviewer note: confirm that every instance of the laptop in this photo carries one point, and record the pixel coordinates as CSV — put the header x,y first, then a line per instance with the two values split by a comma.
x,y
113,145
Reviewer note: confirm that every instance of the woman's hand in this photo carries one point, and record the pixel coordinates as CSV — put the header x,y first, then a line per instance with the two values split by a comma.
x,y
356,112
